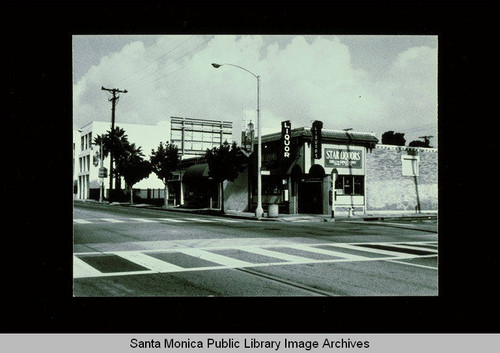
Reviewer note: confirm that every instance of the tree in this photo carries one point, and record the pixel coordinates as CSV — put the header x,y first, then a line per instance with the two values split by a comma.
x,y
118,144
418,143
115,141
164,161
391,138
225,163
132,166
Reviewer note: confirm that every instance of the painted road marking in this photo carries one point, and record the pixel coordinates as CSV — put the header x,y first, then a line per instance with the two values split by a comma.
x,y
328,252
276,254
175,220
113,220
410,264
199,220
405,246
153,220
377,251
144,220
212,257
148,261
155,265
83,269
81,221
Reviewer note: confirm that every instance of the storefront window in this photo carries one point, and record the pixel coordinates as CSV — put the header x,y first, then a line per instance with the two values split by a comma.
x,y
350,185
271,185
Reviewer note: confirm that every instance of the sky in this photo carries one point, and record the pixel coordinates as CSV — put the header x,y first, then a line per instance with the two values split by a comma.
x,y
367,83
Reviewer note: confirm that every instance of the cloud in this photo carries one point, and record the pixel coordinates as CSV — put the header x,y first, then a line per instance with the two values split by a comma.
x,y
302,79
410,93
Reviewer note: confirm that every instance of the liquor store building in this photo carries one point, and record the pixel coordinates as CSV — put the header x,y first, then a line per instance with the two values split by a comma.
x,y
299,165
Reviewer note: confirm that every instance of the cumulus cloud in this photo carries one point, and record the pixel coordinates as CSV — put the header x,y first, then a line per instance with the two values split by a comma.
x,y
302,79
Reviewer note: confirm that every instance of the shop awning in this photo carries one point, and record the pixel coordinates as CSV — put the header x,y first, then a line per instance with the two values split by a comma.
x,y
197,171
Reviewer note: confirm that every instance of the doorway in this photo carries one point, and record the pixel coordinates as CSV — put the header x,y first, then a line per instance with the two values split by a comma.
x,y
310,197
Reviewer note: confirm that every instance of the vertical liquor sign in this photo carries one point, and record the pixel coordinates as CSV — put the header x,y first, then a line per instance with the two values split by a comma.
x,y
286,136
316,139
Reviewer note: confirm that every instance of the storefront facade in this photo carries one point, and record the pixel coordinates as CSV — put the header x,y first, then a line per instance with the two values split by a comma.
x,y
298,171
299,178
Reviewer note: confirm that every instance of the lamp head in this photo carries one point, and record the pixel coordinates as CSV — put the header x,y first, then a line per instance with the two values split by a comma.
x,y
216,65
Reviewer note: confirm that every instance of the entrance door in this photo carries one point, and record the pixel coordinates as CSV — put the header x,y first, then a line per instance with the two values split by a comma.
x,y
310,197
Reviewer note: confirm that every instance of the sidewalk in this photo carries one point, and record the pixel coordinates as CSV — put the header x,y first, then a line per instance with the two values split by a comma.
x,y
339,216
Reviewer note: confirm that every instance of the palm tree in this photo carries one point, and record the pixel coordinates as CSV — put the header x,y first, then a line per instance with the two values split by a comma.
x,y
115,143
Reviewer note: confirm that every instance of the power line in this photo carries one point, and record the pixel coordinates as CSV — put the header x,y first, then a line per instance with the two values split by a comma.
x,y
160,78
189,52
147,65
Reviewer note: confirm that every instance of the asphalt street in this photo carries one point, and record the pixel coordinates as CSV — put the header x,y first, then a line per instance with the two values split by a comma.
x,y
125,251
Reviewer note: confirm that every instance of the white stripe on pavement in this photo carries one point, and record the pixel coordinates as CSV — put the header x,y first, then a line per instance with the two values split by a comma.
x,y
327,252
414,247
376,251
112,220
148,261
172,220
199,220
81,221
410,264
83,269
144,220
219,259
277,255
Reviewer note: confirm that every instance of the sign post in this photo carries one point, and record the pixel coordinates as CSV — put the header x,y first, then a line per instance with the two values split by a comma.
x,y
335,173
103,173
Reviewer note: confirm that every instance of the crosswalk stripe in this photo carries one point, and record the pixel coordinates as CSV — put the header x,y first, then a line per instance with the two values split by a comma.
x,y
377,251
275,254
81,221
148,261
404,246
199,220
144,220
172,220
410,264
155,265
327,252
112,220
227,220
219,259
83,269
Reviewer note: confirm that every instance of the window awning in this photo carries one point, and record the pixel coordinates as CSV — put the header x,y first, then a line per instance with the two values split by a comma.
x,y
196,172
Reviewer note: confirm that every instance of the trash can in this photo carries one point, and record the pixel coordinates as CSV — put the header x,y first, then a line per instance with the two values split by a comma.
x,y
273,211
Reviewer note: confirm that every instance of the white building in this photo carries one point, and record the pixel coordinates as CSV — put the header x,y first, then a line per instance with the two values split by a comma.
x,y
193,142
87,162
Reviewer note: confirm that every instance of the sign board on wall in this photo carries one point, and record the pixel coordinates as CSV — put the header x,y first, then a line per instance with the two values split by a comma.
x,y
286,136
343,158
316,139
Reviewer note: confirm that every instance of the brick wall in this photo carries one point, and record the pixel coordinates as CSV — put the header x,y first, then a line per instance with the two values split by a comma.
x,y
388,190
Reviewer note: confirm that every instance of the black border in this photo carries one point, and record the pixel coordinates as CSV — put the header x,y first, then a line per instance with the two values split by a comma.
x,y
36,139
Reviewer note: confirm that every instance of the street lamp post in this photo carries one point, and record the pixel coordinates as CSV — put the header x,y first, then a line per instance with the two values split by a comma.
x,y
259,211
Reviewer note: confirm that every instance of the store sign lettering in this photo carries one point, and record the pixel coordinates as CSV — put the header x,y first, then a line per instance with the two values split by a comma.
x,y
316,139
343,158
286,134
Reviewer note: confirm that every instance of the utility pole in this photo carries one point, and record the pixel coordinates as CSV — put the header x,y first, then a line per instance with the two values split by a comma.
x,y
113,101
426,139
